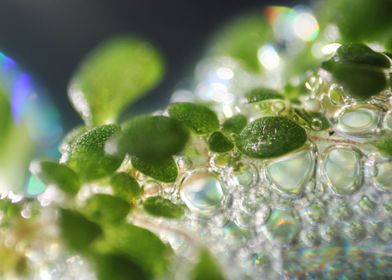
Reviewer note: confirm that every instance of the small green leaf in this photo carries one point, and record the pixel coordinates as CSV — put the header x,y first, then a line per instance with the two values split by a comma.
x,y
353,53
164,170
219,143
153,138
384,145
162,207
206,268
114,75
262,94
125,186
57,174
116,267
235,124
200,119
140,246
78,233
87,154
104,208
71,137
270,137
359,69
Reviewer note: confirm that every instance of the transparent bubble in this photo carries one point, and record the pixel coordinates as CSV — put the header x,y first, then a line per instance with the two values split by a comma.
x,y
383,177
244,175
283,225
342,169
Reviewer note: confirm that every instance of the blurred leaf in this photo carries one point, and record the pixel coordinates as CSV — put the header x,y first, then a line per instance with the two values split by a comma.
x,y
57,174
114,75
384,145
164,170
141,247
206,268
125,186
5,115
104,208
153,138
71,137
87,154
359,69
270,137
219,143
199,118
162,207
78,233
235,124
116,267
242,38
261,94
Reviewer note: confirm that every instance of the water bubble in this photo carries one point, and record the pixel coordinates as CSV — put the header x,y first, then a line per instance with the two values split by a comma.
x,y
283,225
291,173
336,95
340,210
359,120
312,105
316,124
366,205
342,169
202,192
315,212
383,176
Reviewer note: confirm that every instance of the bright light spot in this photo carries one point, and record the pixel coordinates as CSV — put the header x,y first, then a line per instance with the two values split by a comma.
x,y
268,57
224,73
305,26
330,48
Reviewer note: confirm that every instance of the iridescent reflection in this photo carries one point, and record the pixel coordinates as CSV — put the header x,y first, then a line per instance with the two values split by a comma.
x,y
30,127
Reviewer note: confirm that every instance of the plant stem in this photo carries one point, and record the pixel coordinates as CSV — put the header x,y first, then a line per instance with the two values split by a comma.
x,y
333,140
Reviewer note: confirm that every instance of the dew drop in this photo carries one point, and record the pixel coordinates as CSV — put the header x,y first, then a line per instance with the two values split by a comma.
x,y
383,177
202,192
283,225
342,169
291,173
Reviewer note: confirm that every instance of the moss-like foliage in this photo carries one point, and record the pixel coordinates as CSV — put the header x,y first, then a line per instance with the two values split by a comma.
x,y
87,155
234,124
206,267
162,207
262,94
153,138
270,137
164,170
125,186
104,208
219,143
200,119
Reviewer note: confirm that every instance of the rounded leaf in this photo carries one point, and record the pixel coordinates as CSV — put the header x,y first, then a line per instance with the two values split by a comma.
x,y
125,186
164,170
235,124
270,137
162,207
200,119
87,155
153,138
104,208
262,94
219,143
112,76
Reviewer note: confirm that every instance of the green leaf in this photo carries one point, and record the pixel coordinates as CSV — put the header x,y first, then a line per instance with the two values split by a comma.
x,y
162,207
140,246
200,119
262,94
219,143
235,124
104,208
5,115
52,173
270,137
164,170
360,54
153,138
78,233
114,75
359,69
384,145
112,266
71,137
87,154
242,38
206,268
125,186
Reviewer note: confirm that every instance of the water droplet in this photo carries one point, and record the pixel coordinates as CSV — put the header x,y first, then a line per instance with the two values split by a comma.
x,y
359,120
383,176
336,95
340,210
244,175
290,173
316,124
342,169
312,105
315,212
366,205
283,225
202,192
